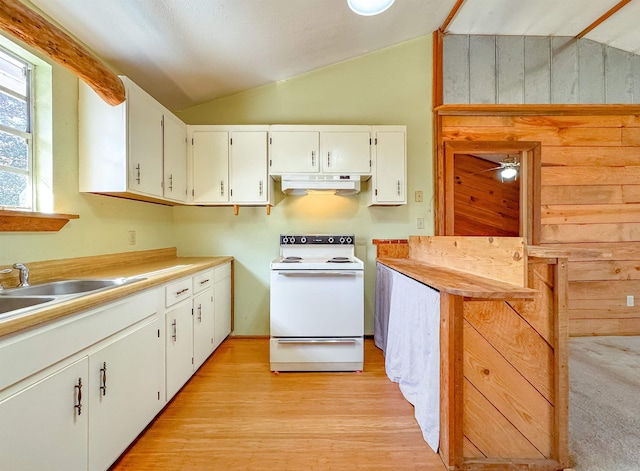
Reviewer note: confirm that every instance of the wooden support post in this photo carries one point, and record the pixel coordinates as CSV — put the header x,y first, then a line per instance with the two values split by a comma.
x,y
31,28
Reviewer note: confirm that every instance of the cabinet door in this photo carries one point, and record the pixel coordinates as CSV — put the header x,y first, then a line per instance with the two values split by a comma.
x,y
41,426
124,391
210,167
294,152
389,185
345,152
179,347
222,306
144,140
203,327
248,167
175,159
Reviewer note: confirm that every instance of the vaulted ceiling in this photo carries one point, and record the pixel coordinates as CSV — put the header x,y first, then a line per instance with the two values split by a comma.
x,y
186,52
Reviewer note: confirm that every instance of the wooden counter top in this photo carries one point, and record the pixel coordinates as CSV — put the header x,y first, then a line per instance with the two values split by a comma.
x,y
156,272
457,282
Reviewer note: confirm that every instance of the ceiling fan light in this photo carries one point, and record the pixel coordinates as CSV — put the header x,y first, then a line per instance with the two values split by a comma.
x,y
369,7
508,173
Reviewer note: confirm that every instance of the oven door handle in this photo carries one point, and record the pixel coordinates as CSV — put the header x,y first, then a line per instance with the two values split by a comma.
x,y
316,273
303,341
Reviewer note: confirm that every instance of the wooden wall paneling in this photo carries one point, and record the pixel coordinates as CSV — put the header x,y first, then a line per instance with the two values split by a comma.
x,y
537,69
443,159
587,327
509,69
550,135
605,270
619,85
581,194
591,72
600,251
455,69
482,68
590,175
564,78
631,193
519,402
491,432
578,233
470,450
451,379
590,213
517,341
630,137
591,156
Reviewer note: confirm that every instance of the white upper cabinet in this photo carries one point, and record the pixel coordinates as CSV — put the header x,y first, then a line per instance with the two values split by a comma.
x,y
123,149
248,167
389,180
294,152
175,159
229,165
210,157
346,152
341,150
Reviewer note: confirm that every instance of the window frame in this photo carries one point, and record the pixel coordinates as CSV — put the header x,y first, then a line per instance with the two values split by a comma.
x,y
27,135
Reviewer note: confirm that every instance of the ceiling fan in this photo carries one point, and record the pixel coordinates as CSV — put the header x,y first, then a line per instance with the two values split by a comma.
x,y
508,168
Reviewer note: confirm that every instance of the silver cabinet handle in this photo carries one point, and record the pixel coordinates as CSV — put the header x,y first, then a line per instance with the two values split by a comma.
x,y
174,335
203,282
182,291
313,158
316,274
103,378
221,187
260,187
171,182
398,187
200,312
328,159
138,174
78,388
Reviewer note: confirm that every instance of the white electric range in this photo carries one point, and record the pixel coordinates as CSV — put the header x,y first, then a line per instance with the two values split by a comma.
x,y
317,304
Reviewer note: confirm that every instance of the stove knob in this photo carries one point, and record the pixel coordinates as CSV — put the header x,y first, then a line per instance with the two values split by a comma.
x,y
342,240
303,240
330,239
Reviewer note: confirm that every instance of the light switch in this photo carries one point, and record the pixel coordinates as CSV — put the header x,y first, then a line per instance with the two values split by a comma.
x,y
420,223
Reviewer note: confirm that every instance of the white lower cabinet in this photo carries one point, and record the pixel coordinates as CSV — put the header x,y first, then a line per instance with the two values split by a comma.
x,y
222,303
44,425
125,384
203,327
179,347
74,393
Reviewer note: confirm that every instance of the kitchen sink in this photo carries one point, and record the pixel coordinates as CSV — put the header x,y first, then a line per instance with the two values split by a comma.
x,y
10,304
68,287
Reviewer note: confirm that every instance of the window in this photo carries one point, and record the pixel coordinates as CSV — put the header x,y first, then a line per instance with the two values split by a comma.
x,y
16,133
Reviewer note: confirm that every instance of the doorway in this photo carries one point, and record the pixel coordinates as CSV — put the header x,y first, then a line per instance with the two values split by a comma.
x,y
477,201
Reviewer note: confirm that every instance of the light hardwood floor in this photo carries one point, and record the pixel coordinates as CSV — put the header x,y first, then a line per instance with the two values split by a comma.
x,y
235,414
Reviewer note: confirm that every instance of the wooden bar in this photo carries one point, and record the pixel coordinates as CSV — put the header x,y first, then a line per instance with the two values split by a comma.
x,y
503,350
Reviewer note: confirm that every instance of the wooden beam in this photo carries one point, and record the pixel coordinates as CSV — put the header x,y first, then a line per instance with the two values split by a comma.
x,y
31,28
452,14
602,19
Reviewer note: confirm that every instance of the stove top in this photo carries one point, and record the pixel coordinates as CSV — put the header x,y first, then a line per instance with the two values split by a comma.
x,y
313,251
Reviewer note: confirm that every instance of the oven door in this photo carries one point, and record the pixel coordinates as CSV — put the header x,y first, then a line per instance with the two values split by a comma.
x,y
317,303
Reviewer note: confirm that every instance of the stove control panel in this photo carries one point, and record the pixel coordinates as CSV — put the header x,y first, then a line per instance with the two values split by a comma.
x,y
348,239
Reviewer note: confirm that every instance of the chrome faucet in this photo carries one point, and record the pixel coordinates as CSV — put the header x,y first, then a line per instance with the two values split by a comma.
x,y
2,272
24,274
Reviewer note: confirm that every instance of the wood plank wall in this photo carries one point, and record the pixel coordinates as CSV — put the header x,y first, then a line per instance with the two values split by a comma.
x,y
590,199
483,204
516,343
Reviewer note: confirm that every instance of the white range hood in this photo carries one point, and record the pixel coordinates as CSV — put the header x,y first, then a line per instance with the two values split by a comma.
x,y
298,185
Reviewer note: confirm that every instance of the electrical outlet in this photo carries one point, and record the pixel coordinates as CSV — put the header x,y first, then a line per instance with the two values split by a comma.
x,y
419,196
630,301
420,223
132,237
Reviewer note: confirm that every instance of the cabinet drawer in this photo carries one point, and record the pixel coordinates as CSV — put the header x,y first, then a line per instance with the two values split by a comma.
x,y
177,291
222,272
202,281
